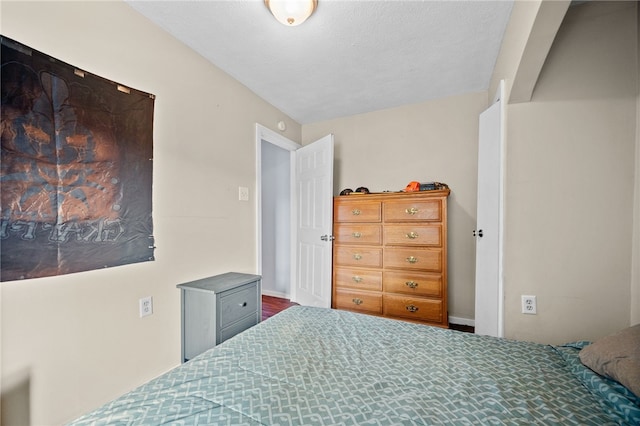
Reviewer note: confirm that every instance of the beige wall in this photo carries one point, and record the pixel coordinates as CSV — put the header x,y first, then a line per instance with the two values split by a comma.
x,y
431,141
570,181
635,276
516,35
73,342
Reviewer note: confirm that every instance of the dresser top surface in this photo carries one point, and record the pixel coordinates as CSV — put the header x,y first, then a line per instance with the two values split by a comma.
x,y
355,196
220,283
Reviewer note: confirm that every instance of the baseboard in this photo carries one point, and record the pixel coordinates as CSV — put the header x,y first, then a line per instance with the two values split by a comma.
x,y
462,321
275,294
452,320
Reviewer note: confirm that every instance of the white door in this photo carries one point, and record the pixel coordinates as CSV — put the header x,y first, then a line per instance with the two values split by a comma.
x,y
313,213
488,233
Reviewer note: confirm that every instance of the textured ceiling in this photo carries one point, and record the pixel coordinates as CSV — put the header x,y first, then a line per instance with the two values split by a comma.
x,y
350,57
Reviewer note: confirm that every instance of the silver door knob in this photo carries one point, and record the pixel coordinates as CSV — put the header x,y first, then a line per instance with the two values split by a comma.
x,y
327,238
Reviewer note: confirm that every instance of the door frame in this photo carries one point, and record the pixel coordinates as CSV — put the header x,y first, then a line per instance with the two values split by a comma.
x,y
267,135
500,97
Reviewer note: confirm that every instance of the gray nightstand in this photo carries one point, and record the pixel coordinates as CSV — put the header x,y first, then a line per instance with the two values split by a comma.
x,y
217,308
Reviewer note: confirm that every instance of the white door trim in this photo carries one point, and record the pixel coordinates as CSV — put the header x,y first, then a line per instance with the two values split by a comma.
x,y
500,94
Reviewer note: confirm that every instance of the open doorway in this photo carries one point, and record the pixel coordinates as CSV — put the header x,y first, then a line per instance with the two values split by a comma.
x,y
273,191
294,217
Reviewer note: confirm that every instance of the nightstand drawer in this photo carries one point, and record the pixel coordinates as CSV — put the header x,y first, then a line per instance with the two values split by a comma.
x,y
238,327
238,304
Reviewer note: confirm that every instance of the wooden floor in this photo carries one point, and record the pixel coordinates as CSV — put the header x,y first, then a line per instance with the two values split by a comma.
x,y
272,305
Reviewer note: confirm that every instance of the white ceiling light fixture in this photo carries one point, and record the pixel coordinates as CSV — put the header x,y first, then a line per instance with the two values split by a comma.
x,y
291,12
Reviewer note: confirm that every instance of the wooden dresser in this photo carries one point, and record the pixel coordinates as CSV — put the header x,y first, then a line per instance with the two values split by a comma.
x,y
390,255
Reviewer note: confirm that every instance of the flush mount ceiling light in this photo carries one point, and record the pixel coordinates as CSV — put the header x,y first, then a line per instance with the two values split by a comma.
x,y
291,12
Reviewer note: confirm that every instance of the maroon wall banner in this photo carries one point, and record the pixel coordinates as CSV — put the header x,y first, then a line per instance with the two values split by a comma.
x,y
76,168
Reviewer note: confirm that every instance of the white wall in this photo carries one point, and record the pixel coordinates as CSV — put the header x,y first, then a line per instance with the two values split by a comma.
x,y
431,141
76,341
570,181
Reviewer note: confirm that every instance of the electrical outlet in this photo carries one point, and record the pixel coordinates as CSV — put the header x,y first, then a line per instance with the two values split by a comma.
x,y
529,305
146,306
243,193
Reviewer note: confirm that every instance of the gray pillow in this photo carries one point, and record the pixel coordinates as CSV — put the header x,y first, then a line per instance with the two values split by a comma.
x,y
617,357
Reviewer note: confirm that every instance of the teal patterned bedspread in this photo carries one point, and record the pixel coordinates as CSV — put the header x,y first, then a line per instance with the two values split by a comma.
x,y
313,366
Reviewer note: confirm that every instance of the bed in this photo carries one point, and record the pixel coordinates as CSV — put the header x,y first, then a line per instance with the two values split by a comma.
x,y
313,366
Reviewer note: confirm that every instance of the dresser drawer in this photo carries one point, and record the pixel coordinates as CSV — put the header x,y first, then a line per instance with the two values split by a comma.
x,y
357,234
413,235
238,304
361,302
413,307
407,211
365,211
358,256
361,279
413,283
413,258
